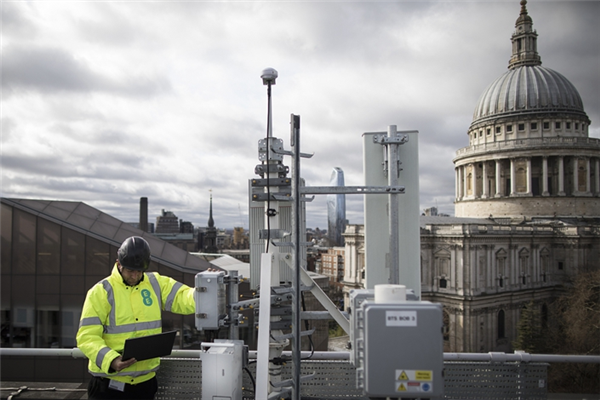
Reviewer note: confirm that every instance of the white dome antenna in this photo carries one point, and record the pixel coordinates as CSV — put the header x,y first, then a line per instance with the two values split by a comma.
x,y
269,75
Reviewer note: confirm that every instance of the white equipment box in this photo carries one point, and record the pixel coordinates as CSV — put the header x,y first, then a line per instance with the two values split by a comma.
x,y
210,299
222,364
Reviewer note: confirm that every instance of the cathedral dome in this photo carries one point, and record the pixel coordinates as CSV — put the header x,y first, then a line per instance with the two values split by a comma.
x,y
530,89
529,153
527,88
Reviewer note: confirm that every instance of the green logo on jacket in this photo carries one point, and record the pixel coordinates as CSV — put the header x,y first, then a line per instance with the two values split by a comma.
x,y
146,297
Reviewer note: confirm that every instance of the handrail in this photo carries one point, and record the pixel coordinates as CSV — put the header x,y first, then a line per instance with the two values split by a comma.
x,y
520,356
517,356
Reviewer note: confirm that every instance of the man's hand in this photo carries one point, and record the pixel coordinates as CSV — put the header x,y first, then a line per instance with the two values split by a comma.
x,y
118,364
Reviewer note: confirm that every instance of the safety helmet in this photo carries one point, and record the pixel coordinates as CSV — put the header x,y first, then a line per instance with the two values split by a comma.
x,y
134,254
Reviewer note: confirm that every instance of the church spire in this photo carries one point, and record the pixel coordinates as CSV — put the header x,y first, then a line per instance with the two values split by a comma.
x,y
211,221
209,241
524,41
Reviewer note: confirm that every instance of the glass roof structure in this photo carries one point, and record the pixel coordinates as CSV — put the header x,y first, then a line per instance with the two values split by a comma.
x,y
92,222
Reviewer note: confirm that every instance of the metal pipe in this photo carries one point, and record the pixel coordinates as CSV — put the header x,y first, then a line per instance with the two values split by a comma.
x,y
317,355
73,352
330,355
394,203
520,357
297,239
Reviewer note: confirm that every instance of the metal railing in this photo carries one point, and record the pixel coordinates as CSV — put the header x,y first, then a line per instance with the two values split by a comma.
x,y
517,356
492,375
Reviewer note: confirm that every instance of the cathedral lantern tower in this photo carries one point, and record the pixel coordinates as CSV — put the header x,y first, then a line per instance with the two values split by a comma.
x,y
529,153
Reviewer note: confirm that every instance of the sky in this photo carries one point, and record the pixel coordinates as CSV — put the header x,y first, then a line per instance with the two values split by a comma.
x,y
105,102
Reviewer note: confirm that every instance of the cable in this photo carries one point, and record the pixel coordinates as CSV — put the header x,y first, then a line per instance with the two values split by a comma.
x,y
251,378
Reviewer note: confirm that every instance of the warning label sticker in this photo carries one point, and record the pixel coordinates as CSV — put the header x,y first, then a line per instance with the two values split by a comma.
x,y
423,375
414,387
414,375
410,380
401,318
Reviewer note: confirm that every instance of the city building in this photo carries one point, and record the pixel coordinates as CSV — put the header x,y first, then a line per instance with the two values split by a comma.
x,y
527,207
354,259
331,264
224,239
167,222
240,238
186,227
185,241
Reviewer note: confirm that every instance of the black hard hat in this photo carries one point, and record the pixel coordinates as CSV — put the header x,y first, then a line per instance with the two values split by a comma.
x,y
134,254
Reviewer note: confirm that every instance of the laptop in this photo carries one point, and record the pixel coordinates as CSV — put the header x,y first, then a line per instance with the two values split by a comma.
x,y
151,346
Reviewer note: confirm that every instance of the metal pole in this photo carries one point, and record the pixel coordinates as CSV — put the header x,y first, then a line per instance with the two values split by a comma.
x,y
269,264
234,333
394,202
269,114
296,239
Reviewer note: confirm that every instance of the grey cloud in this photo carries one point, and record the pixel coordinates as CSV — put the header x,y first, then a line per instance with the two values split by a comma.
x,y
84,165
109,26
357,33
14,23
8,127
55,186
46,70
53,70
346,68
33,165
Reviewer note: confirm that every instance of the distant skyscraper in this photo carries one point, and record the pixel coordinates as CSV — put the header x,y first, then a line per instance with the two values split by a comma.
x,y
336,210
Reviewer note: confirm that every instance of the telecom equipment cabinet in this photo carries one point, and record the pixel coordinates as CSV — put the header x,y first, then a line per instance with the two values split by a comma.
x,y
210,299
400,349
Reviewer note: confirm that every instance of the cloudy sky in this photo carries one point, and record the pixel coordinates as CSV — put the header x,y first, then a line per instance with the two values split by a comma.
x,y
105,102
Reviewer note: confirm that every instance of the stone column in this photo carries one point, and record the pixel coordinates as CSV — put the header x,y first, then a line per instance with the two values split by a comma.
x,y
588,173
463,182
561,176
529,176
512,177
575,175
597,176
457,183
484,182
545,176
474,180
498,179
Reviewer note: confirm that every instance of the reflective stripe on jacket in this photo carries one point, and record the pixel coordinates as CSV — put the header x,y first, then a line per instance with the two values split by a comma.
x,y
113,312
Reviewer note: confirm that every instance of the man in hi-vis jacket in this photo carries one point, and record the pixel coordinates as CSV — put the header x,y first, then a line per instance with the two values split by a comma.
x,y
127,304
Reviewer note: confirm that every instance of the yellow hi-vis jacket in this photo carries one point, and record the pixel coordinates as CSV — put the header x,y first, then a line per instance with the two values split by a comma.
x,y
113,312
